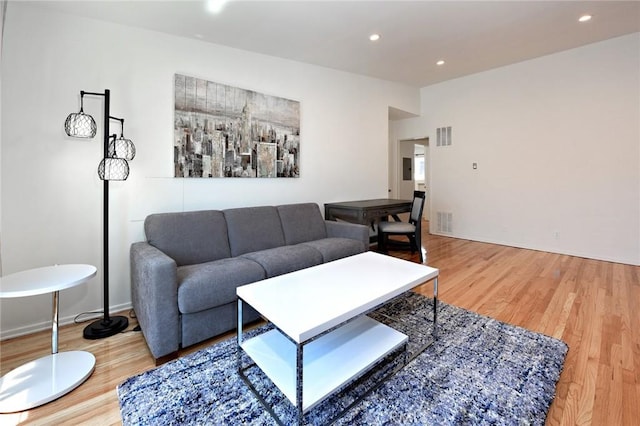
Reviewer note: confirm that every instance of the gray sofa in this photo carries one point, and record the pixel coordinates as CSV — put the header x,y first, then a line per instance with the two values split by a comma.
x,y
184,277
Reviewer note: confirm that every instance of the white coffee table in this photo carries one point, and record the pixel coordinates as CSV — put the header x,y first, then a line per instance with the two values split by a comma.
x,y
47,378
322,340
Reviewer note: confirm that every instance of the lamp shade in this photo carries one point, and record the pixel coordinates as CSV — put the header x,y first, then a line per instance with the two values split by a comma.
x,y
113,169
122,148
80,125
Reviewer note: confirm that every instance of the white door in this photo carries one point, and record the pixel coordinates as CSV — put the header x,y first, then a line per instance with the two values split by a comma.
x,y
421,175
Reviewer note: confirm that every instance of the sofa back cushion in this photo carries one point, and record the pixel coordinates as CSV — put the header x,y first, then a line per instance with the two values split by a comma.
x,y
189,237
302,223
253,229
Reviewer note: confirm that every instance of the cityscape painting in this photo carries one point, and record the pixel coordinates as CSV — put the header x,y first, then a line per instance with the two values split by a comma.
x,y
225,131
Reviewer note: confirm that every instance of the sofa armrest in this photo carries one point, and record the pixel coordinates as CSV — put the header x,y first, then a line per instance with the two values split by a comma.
x,y
154,294
348,230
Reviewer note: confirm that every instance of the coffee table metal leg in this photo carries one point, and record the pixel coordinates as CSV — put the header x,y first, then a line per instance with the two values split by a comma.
x,y
239,328
435,306
299,384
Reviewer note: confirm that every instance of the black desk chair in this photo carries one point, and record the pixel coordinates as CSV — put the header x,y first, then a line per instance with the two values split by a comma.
x,y
411,229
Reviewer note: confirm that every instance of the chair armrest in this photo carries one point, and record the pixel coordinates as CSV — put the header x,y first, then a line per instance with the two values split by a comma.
x,y
348,230
154,294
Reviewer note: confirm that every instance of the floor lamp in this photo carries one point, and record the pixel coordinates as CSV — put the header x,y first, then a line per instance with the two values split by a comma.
x,y
117,151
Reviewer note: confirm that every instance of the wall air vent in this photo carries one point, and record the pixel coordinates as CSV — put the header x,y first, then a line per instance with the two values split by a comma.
x,y
443,136
444,222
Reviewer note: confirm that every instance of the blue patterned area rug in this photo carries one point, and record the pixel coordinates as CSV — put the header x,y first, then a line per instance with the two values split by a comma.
x,y
478,371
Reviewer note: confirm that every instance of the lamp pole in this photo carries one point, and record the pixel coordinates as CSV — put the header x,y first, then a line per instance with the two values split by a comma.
x,y
107,326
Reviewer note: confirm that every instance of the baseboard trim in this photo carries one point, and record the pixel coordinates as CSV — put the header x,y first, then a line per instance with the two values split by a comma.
x,y
543,249
46,325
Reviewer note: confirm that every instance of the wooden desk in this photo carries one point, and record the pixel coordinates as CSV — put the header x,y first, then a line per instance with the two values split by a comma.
x,y
367,212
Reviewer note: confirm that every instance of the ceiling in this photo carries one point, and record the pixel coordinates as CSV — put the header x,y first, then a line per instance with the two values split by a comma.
x,y
470,36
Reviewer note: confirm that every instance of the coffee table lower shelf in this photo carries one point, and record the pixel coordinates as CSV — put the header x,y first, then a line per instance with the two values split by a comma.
x,y
329,362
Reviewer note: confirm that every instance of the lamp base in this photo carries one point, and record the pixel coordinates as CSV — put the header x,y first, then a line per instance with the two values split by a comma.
x,y
104,328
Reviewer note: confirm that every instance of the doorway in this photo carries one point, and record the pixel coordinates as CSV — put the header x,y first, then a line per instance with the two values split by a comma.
x,y
413,167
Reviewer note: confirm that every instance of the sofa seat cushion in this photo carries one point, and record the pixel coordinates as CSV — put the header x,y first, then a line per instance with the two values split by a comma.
x,y
285,259
212,284
335,248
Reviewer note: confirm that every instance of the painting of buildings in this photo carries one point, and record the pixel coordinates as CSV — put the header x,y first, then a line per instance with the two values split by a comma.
x,y
225,131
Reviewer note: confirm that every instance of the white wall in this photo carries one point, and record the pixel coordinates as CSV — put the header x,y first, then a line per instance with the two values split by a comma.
x,y
406,188
3,8
557,143
51,196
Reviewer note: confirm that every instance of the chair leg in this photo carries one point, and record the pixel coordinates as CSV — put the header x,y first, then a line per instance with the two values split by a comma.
x,y
381,243
412,243
419,247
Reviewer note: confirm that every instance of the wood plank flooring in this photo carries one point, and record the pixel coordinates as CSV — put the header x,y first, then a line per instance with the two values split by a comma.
x,y
592,305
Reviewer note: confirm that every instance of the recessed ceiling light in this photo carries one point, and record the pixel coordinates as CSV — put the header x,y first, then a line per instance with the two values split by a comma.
x,y
215,6
374,37
585,18
440,62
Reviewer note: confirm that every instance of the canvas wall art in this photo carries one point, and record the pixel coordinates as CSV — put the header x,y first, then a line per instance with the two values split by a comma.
x,y
225,131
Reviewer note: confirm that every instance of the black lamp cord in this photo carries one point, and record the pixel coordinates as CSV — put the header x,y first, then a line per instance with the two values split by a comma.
x,y
77,319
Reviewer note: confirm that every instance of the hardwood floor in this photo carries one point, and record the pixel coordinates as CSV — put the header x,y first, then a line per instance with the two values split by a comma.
x,y
592,305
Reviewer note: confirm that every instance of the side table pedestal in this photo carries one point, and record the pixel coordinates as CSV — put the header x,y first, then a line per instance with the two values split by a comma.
x,y
44,379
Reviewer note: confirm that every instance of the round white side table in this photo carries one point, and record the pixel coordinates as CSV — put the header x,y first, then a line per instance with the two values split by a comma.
x,y
47,378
